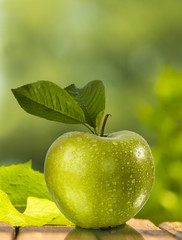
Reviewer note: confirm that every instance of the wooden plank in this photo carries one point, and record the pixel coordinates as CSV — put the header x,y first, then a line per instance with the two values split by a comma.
x,y
175,228
145,227
148,230
43,233
6,231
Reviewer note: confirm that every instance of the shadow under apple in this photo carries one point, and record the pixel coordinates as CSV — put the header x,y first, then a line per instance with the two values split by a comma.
x,y
124,232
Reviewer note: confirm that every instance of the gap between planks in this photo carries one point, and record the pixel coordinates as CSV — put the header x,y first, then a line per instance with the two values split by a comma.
x,y
148,230
175,228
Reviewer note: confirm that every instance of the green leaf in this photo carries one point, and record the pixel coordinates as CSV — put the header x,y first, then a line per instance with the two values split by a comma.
x,y
99,120
60,220
38,212
21,181
8,213
47,100
42,211
91,98
22,188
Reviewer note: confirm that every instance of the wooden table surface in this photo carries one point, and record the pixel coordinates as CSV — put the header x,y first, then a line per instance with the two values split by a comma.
x,y
135,229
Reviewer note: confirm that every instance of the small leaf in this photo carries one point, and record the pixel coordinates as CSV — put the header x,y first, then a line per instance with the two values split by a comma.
x,y
99,120
60,220
8,213
47,100
21,181
91,98
43,211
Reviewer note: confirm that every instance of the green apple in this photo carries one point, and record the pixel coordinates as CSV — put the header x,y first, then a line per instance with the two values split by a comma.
x,y
96,180
99,181
124,232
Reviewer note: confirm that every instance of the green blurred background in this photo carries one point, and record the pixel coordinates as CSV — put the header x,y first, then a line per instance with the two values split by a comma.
x,y
133,46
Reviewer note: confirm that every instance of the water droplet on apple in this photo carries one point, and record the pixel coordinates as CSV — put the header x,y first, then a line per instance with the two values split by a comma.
x,y
133,181
78,139
128,162
110,210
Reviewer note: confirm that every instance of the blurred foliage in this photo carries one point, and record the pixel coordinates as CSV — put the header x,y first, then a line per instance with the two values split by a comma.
x,y
123,43
165,118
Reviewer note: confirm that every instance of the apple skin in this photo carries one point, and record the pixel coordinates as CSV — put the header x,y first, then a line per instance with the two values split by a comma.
x,y
99,182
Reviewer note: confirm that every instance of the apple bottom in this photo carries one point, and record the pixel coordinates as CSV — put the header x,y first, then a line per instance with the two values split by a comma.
x,y
99,182
95,211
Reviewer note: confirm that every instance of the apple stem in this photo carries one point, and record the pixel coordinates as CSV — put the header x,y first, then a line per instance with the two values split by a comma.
x,y
104,124
89,128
